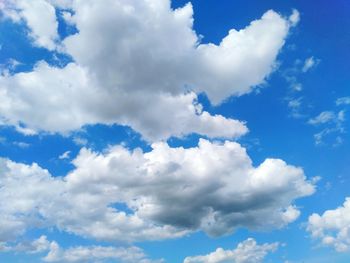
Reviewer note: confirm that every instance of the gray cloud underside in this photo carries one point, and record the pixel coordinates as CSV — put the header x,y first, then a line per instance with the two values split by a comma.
x,y
168,192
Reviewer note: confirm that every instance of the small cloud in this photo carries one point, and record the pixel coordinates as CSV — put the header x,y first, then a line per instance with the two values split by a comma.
x,y
21,144
13,63
294,103
343,101
310,63
80,141
294,18
297,87
341,116
64,155
323,117
246,251
335,123
338,141
25,131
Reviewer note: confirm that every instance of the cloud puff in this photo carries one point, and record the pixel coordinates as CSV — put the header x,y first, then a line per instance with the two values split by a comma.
x,y
40,17
310,63
343,101
65,155
123,195
139,63
323,117
332,228
247,251
294,18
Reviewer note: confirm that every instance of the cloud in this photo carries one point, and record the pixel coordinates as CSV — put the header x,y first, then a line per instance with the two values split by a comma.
x,y
310,63
40,18
247,251
22,145
65,155
65,109
332,228
294,18
97,254
323,117
132,196
343,101
295,106
37,246
145,75
55,253
335,122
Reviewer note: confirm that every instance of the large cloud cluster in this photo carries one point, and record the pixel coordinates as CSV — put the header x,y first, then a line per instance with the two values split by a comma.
x,y
165,193
136,63
139,63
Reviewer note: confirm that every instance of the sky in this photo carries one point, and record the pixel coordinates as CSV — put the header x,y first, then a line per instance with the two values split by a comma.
x,y
145,131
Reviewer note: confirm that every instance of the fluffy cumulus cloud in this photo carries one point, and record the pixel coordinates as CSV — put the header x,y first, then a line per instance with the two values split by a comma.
x,y
156,116
136,63
39,15
55,253
129,196
246,252
332,228
139,63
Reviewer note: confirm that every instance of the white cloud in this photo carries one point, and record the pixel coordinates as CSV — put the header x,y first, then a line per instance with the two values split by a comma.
x,y
40,18
335,125
343,101
37,246
138,73
323,117
295,105
155,187
20,206
65,155
246,252
294,18
21,144
332,228
95,253
310,63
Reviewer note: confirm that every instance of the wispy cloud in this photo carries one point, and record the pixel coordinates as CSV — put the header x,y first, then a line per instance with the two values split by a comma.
x,y
343,101
332,122
310,63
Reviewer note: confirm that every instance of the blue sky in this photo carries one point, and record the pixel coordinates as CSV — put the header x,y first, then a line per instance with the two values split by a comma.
x,y
174,131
